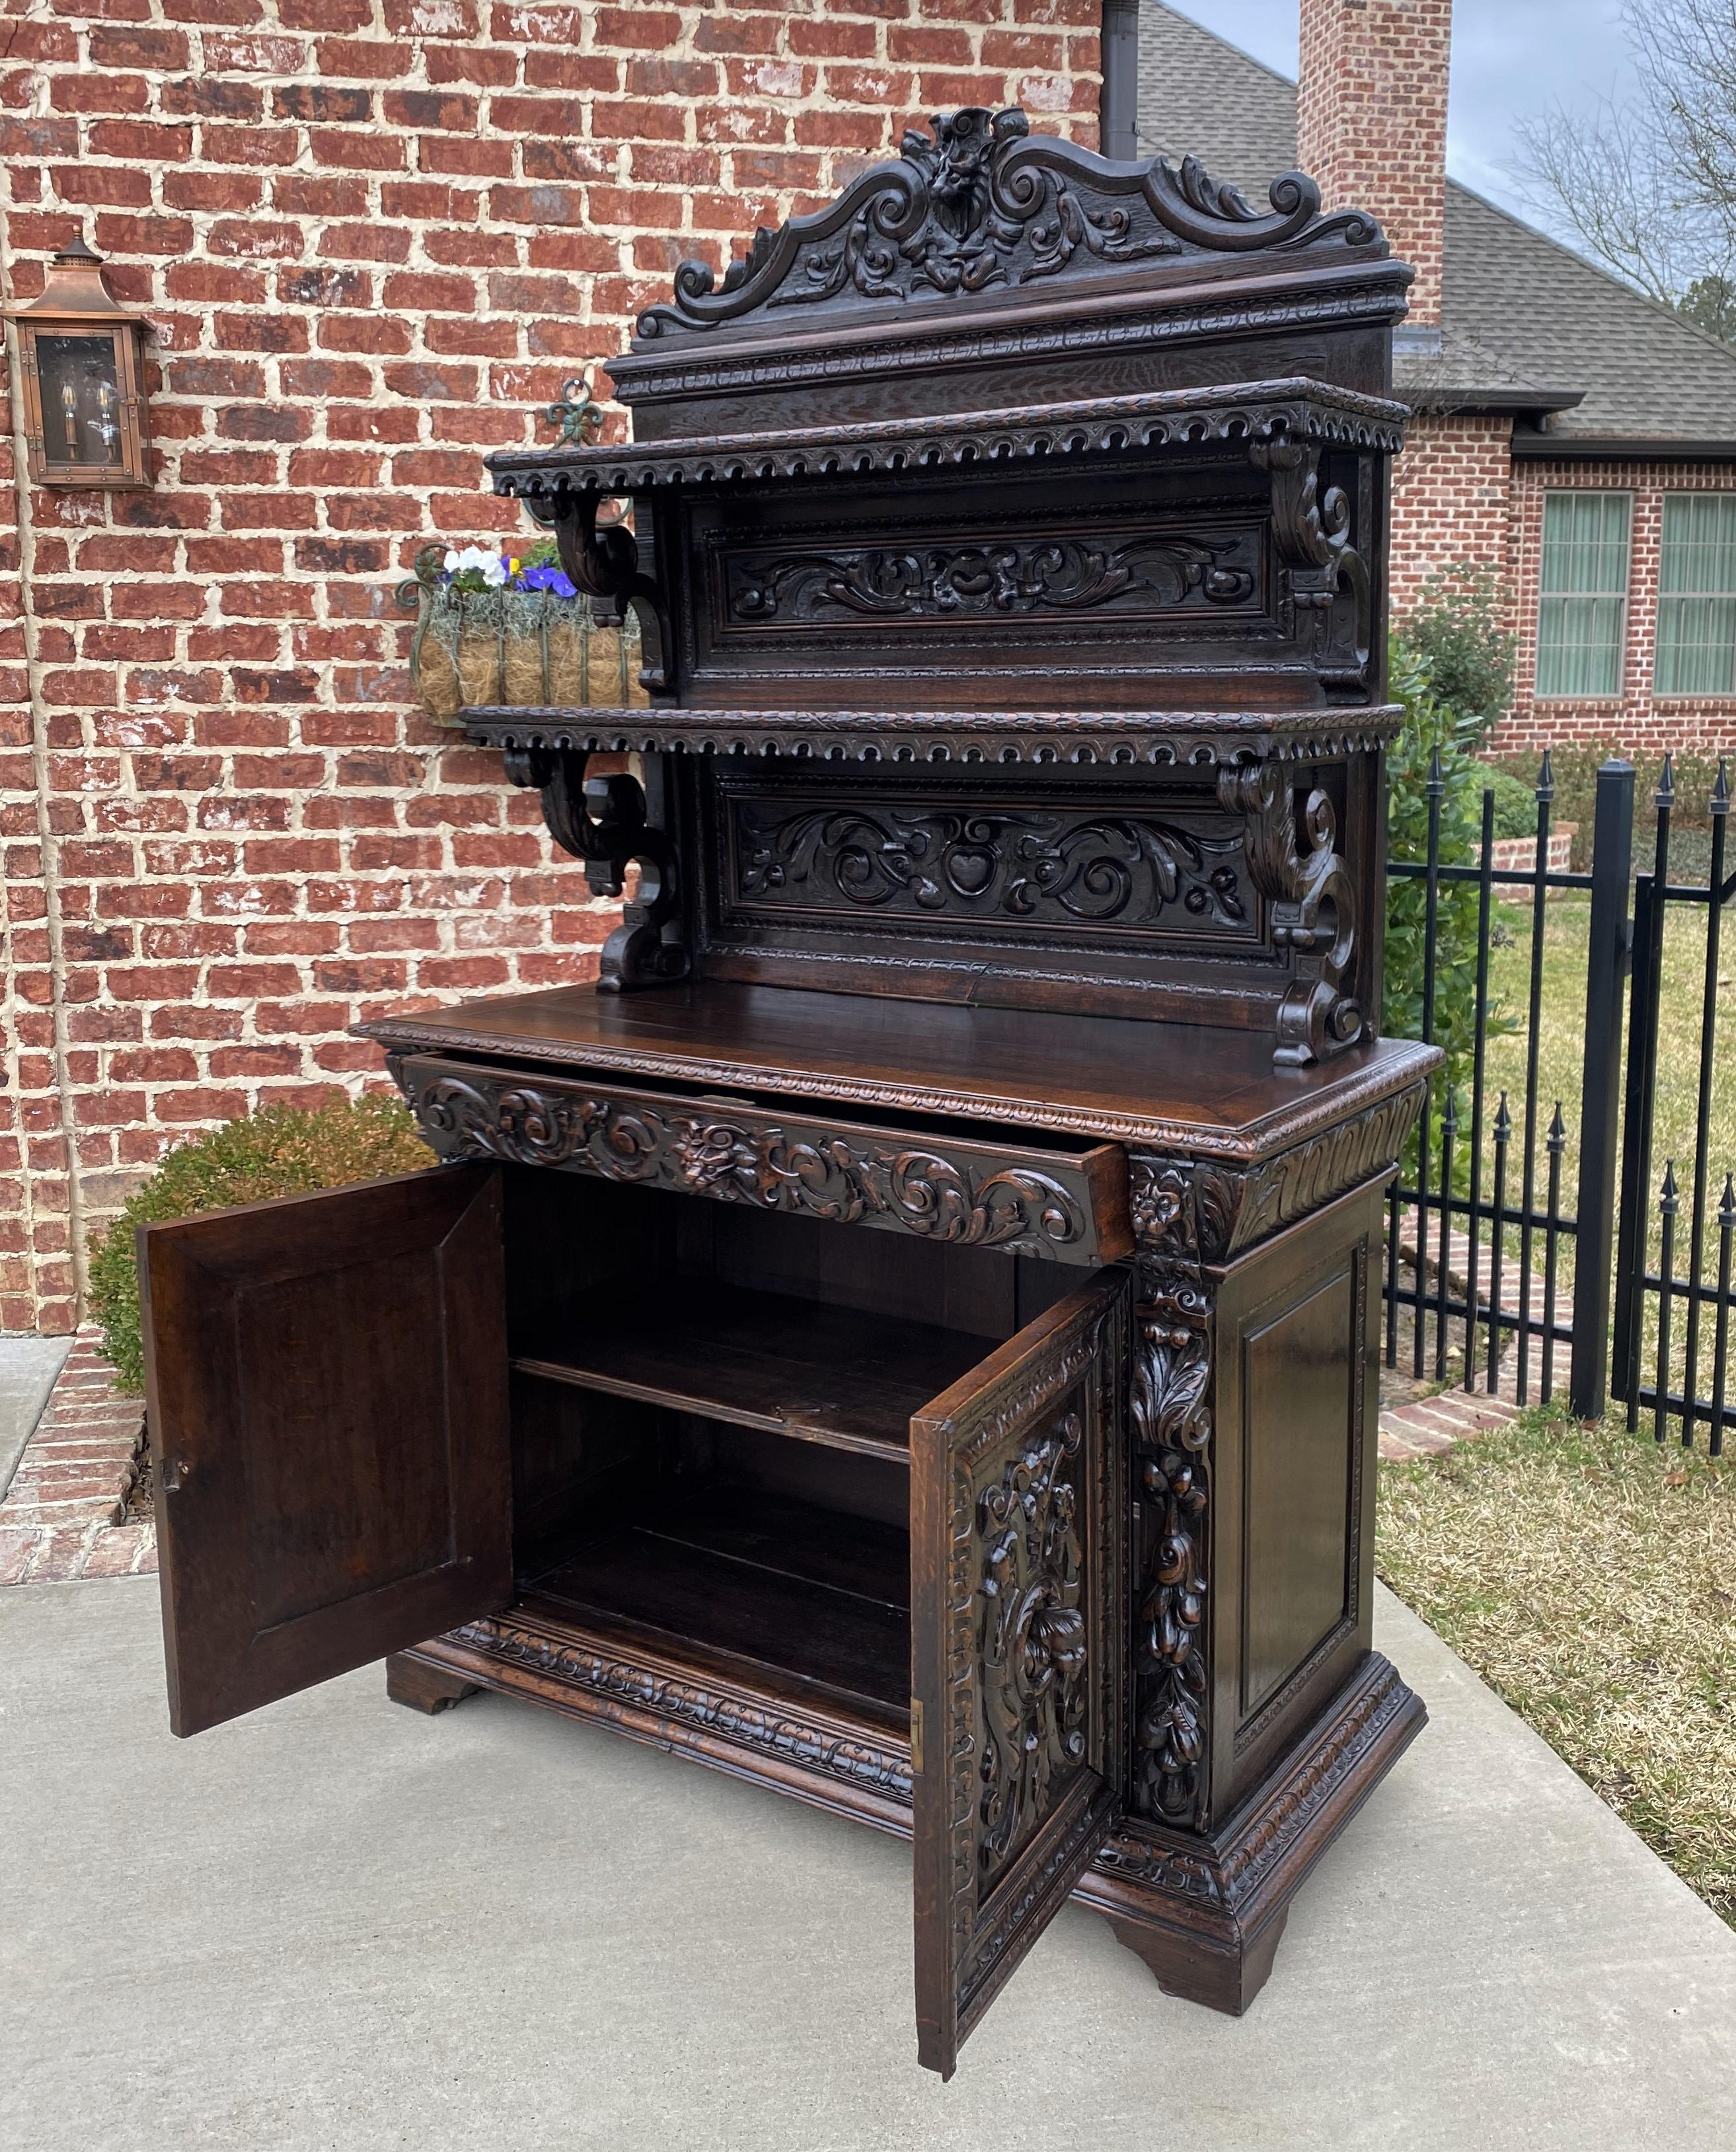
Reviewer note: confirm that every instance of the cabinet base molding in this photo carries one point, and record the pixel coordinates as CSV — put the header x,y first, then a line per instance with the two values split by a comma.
x,y
423,1687
1206,1913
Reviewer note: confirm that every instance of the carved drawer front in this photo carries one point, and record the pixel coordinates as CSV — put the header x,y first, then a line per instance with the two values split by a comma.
x,y
1068,1204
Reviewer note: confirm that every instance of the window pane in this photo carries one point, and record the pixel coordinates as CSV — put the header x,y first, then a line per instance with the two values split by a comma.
x,y
1584,593
1697,596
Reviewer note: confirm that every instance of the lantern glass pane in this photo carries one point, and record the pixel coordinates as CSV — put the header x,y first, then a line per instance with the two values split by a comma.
x,y
80,400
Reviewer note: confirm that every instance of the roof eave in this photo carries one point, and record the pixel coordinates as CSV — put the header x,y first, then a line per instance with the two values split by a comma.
x,y
1489,403
1619,447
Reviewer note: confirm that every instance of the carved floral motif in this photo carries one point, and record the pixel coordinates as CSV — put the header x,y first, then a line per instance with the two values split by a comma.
x,y
1189,1211
1033,1639
765,1163
1018,863
1172,1435
1049,574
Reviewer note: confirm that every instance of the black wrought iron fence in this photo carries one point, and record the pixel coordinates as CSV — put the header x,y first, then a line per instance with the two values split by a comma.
x,y
1648,1300
1501,1286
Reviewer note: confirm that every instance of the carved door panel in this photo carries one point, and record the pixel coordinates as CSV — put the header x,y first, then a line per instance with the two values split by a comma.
x,y
1019,1660
327,1382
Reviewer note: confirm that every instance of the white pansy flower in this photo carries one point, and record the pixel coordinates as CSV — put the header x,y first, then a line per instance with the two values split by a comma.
x,y
452,563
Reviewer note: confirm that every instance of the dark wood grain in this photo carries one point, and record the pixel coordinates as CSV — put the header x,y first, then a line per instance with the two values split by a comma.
x,y
326,1395
1211,1092
1008,549
762,1593
1018,1607
762,1360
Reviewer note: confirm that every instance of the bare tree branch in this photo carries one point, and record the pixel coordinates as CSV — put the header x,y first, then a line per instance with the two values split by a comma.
x,y
1648,187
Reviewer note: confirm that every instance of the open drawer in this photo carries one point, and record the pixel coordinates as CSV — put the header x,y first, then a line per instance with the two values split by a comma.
x,y
1067,1198
348,1403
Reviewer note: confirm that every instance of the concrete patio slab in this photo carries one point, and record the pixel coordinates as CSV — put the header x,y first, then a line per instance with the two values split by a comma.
x,y
27,1369
338,1926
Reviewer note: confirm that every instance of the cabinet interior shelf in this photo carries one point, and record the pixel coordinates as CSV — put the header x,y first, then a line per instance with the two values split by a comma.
x,y
798,1367
812,1594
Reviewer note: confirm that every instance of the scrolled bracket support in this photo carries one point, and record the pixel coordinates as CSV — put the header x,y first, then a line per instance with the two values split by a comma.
x,y
1310,526
603,561
605,821
1313,907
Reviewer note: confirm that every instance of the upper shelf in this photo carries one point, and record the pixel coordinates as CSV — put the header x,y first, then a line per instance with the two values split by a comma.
x,y
1297,409
1213,1092
1080,738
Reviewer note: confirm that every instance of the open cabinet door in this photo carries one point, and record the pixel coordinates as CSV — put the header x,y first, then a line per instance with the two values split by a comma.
x,y
328,1395
1018,1648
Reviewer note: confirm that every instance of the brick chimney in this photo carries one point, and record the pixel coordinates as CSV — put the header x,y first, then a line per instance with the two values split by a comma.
x,y
1371,123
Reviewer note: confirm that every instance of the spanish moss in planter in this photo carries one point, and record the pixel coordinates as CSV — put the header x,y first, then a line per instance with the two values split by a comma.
x,y
506,629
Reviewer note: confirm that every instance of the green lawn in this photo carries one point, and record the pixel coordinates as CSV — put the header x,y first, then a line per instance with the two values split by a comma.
x,y
1591,1580
1560,1056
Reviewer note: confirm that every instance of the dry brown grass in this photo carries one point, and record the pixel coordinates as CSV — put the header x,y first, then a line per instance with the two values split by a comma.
x,y
1590,1577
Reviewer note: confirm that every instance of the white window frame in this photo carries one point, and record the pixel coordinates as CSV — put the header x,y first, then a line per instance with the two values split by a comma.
x,y
1725,498
1545,597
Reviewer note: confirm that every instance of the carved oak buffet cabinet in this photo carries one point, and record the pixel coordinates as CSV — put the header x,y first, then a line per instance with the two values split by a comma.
x,y
903,1336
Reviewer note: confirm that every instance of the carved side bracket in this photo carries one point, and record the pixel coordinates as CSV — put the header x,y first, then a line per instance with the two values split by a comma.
x,y
605,822
603,561
1314,910
1311,532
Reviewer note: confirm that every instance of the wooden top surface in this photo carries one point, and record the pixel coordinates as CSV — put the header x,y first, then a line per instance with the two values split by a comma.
x,y
1168,1086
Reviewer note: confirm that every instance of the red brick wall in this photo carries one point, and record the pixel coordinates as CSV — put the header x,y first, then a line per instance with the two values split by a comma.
x,y
1371,122
1452,501
1635,720
372,236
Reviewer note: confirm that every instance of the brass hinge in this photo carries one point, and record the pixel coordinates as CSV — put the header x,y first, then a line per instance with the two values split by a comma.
x,y
915,1736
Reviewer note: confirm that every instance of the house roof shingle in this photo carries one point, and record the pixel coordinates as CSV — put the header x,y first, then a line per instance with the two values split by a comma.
x,y
1527,325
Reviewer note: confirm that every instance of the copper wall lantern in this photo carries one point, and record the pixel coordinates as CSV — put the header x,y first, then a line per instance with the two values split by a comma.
x,y
81,356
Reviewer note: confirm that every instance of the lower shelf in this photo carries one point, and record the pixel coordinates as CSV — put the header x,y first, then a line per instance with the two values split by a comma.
x,y
834,1375
815,1595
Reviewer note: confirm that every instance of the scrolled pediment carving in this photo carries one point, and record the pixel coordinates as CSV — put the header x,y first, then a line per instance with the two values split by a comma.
x,y
980,202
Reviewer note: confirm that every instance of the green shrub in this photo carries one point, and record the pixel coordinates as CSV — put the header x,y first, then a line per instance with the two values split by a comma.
x,y
1430,726
283,1150
1574,771
1515,802
1455,630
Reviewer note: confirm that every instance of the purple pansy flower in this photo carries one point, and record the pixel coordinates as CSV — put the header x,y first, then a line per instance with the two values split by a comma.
x,y
548,579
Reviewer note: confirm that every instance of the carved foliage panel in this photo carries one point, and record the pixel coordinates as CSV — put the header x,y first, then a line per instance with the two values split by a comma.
x,y
1172,1429
1019,1652
1144,574
1157,868
960,1194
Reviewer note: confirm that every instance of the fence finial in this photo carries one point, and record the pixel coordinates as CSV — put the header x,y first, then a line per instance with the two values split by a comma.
x,y
1721,790
1665,795
1437,781
1557,1130
1546,779
1726,1208
1670,1200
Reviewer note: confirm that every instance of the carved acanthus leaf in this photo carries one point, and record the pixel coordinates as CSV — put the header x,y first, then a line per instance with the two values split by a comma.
x,y
1171,1412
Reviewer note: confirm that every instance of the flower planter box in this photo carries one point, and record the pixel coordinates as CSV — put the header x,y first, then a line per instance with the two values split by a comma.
x,y
514,647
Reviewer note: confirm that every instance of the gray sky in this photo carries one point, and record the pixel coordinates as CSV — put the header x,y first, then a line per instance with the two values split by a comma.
x,y
1510,58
